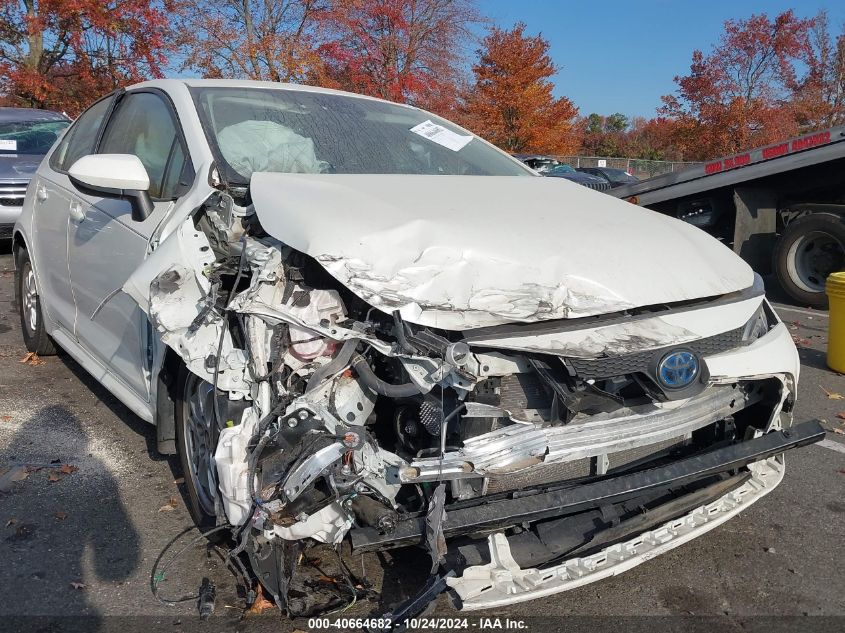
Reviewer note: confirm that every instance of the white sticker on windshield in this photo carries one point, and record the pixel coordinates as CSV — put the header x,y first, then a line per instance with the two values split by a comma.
x,y
440,135
9,145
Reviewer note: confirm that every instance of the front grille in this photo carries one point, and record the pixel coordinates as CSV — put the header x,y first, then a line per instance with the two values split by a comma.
x,y
12,193
598,186
638,362
6,231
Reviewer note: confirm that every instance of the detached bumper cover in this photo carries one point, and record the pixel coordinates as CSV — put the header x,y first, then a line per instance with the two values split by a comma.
x,y
533,505
502,582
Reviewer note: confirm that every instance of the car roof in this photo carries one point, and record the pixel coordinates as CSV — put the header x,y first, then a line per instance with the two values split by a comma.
x,y
30,114
251,83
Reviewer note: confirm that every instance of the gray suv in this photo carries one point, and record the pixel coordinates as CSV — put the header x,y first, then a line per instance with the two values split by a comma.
x,y
26,135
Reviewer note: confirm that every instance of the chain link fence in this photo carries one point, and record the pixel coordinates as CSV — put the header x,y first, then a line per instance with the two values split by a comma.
x,y
640,168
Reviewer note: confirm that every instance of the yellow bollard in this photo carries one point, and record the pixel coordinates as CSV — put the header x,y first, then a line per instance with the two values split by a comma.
x,y
835,289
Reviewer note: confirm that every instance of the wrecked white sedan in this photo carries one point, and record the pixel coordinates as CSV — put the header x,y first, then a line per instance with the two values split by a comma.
x,y
355,321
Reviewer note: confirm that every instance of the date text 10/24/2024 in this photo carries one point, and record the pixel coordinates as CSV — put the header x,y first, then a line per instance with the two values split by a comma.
x,y
422,623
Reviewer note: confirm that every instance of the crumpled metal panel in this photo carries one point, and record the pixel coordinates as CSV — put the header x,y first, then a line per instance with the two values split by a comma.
x,y
459,252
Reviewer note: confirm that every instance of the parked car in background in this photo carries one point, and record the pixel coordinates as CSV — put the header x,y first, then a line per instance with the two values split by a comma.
x,y
550,166
567,171
616,177
540,164
26,134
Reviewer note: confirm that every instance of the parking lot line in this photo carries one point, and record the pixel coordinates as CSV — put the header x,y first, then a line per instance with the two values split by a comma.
x,y
834,446
814,313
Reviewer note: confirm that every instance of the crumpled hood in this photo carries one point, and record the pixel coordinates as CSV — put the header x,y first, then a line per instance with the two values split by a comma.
x,y
460,252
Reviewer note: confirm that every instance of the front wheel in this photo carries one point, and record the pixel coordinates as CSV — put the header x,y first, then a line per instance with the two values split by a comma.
x,y
809,249
35,335
196,436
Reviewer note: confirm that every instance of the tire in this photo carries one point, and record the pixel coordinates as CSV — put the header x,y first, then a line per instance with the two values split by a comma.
x,y
809,249
196,442
35,335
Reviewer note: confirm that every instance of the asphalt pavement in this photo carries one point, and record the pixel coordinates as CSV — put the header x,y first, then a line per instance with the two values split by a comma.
x,y
87,505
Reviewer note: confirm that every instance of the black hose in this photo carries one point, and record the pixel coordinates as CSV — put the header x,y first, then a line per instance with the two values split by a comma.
x,y
252,460
252,464
399,331
379,386
333,366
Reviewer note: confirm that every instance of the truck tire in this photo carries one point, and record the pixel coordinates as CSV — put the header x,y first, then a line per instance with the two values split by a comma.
x,y
35,335
809,249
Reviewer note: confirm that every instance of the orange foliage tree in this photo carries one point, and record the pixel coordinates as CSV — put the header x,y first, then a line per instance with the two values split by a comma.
x,y
402,50
819,97
62,54
738,96
253,39
511,101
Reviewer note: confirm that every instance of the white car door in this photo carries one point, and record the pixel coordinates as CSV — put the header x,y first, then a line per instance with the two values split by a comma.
x,y
53,196
105,245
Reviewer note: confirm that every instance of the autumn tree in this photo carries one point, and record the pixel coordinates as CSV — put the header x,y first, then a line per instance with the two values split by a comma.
x,y
511,101
401,50
254,39
738,96
819,96
62,54
605,135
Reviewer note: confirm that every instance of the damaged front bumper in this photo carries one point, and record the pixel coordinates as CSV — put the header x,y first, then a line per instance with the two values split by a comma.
x,y
502,582
538,504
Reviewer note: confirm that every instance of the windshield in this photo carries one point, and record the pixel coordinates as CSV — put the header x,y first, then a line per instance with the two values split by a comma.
x,y
29,137
563,169
620,174
296,131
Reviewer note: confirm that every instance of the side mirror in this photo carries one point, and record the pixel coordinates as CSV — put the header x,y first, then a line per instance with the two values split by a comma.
x,y
114,176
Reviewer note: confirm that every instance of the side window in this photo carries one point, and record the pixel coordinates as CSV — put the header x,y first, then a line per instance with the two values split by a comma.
x,y
80,138
144,126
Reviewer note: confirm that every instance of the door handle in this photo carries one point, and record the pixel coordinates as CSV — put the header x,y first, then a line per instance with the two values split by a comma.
x,y
76,213
41,193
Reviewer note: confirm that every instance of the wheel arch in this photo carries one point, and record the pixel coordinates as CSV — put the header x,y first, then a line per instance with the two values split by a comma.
x,y
166,383
793,211
18,244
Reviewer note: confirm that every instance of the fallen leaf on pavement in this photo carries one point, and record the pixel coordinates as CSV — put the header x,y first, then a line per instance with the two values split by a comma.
x,y
832,395
841,415
54,477
170,505
78,585
31,358
18,473
179,481
11,521
67,469
6,418
61,516
838,431
261,603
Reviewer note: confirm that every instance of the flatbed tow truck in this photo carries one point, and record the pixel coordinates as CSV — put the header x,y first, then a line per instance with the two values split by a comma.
x,y
780,207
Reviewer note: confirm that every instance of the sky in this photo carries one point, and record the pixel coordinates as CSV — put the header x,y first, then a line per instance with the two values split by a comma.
x,y
616,56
